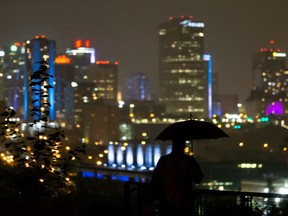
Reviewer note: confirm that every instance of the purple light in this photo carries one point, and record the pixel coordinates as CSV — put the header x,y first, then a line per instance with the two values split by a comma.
x,y
274,108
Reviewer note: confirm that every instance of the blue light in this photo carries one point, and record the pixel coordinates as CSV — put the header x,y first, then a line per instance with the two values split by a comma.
x,y
140,156
208,58
36,59
129,156
51,91
87,174
111,155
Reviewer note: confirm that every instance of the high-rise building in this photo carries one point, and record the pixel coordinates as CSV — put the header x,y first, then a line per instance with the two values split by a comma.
x,y
37,50
97,87
270,83
183,68
137,88
13,74
64,91
104,76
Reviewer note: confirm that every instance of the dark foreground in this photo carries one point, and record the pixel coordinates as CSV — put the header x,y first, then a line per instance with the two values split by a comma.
x,y
94,196
109,197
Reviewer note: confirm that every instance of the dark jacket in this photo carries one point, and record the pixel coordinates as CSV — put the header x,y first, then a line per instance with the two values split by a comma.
x,y
173,179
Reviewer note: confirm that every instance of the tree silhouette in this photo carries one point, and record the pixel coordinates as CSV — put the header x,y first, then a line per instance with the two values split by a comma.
x,y
36,162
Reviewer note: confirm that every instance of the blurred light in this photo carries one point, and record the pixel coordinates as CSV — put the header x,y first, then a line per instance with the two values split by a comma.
x,y
62,60
283,190
13,48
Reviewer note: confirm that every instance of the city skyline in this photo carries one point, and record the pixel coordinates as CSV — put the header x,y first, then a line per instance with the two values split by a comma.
x,y
127,31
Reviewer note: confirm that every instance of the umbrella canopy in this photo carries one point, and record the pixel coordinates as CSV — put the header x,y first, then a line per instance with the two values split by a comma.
x,y
191,130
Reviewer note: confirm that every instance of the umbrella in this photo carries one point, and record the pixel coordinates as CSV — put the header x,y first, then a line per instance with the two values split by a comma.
x,y
191,130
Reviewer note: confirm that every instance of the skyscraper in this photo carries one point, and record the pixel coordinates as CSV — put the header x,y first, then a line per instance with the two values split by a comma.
x,y
183,70
13,67
270,82
37,50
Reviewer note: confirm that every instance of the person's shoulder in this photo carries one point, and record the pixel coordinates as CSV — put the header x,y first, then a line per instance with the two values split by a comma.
x,y
189,157
165,157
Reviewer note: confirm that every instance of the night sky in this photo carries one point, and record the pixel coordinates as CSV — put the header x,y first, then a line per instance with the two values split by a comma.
x,y
127,31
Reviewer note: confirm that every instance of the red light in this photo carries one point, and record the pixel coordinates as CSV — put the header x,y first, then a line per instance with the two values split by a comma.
x,y
190,17
182,17
272,42
87,43
78,43
171,18
116,62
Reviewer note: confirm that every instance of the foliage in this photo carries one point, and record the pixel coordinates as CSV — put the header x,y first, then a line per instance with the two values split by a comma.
x,y
35,162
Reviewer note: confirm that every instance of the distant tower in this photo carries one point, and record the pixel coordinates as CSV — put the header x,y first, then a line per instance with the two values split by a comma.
x,y
36,50
183,71
137,88
270,82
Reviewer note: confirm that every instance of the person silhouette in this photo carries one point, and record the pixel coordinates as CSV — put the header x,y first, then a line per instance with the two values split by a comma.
x,y
173,179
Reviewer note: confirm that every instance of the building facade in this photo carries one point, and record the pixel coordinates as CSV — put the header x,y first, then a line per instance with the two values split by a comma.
x,y
183,71
64,91
37,50
269,95
13,73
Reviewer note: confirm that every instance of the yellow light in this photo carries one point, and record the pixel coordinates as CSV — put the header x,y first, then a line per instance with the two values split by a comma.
x,y
99,162
89,157
144,134
241,144
101,155
265,145
41,180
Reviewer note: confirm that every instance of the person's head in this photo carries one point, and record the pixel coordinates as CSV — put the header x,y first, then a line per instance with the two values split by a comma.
x,y
178,144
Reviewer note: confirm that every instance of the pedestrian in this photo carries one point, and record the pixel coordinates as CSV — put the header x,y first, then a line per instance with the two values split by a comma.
x,y
173,179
